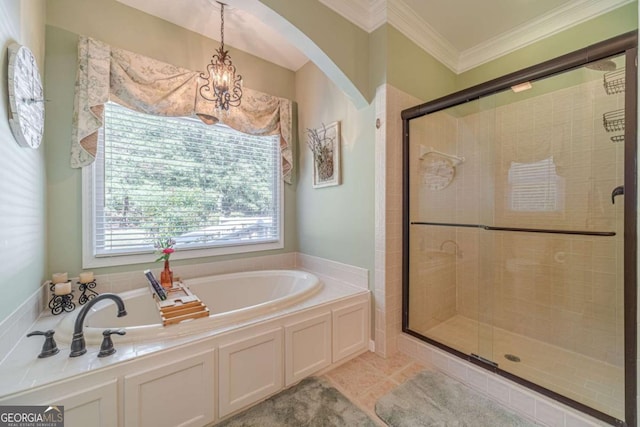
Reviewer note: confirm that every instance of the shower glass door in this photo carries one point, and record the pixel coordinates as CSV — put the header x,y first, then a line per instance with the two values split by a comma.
x,y
451,153
516,232
558,301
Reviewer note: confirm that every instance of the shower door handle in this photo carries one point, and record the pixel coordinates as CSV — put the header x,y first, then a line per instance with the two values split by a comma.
x,y
618,191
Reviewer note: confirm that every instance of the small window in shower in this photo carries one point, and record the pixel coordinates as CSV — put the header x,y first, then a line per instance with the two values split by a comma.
x,y
535,187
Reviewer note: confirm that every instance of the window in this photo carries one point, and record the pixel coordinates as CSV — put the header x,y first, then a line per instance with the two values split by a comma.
x,y
535,187
213,189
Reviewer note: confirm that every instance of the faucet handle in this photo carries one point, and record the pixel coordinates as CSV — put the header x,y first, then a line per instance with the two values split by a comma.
x,y
49,348
106,348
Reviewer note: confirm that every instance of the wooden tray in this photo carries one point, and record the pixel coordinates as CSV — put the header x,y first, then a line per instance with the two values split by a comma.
x,y
181,304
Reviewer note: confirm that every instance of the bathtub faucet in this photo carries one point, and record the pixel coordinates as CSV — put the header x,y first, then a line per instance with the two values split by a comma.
x,y
78,346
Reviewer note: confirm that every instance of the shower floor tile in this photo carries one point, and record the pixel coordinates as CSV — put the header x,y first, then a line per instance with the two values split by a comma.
x,y
595,383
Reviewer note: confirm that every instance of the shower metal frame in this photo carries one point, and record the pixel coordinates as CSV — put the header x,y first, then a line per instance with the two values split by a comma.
x,y
626,44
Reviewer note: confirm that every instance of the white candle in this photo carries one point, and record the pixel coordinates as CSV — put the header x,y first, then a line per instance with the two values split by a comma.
x,y
60,277
86,277
62,288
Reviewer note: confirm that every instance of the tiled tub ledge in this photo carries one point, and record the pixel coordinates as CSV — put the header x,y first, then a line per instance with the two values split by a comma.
x,y
532,405
333,323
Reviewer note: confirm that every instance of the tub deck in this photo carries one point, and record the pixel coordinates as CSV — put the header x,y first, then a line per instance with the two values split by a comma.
x,y
22,370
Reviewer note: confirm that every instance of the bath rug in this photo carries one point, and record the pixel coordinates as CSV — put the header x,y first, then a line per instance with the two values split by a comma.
x,y
433,399
313,402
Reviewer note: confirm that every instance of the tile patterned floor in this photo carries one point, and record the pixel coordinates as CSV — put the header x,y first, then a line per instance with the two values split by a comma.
x,y
368,377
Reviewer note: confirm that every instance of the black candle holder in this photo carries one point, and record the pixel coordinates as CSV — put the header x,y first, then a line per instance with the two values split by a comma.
x,y
88,292
60,303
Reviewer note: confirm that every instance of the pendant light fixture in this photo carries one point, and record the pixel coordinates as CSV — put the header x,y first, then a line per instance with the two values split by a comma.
x,y
223,86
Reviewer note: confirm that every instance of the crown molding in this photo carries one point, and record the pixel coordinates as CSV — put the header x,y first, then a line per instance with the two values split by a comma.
x,y
555,21
407,21
378,13
370,14
358,12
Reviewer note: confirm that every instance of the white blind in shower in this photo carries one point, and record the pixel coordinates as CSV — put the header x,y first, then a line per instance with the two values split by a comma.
x,y
535,187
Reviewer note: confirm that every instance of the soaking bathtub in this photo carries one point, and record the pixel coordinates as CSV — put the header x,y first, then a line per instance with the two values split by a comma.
x,y
230,298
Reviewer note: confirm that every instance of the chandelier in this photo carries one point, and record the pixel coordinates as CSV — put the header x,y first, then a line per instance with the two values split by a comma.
x,y
223,86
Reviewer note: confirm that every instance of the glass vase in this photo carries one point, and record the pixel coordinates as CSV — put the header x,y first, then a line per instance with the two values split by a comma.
x,y
166,276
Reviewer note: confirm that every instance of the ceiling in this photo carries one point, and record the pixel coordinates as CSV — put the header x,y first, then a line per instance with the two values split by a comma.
x,y
461,34
242,29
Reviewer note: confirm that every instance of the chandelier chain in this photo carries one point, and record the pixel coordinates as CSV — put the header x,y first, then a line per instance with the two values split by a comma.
x,y
222,25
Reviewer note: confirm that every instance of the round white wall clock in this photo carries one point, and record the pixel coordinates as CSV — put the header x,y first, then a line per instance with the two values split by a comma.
x,y
26,98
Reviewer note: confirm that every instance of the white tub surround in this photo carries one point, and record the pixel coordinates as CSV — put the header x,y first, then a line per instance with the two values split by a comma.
x,y
226,368
18,323
327,269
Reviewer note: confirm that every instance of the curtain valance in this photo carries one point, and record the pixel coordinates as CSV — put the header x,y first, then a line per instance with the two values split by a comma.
x,y
154,87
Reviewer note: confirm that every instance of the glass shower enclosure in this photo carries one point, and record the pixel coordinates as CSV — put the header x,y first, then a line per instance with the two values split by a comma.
x,y
519,226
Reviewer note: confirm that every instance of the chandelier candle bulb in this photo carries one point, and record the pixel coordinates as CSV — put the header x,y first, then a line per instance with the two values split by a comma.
x,y
60,278
86,277
62,288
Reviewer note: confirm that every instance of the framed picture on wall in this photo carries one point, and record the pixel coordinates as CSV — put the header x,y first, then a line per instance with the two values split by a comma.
x,y
324,143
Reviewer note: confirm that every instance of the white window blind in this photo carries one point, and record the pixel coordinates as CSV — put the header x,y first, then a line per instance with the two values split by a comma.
x,y
204,186
535,187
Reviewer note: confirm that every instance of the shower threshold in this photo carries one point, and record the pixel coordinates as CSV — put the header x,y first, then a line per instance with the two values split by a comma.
x,y
592,382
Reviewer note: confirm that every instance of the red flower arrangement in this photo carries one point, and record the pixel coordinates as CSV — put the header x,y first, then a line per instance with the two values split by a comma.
x,y
165,248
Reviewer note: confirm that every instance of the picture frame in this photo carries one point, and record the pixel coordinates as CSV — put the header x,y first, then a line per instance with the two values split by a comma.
x,y
324,143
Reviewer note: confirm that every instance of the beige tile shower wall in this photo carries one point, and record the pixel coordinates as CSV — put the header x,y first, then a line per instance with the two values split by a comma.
x,y
474,190
388,257
475,205
567,126
554,290
433,252
438,131
379,291
561,289
432,279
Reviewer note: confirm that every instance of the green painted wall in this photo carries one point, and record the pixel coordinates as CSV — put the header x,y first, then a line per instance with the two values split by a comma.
x,y
131,29
414,71
378,58
609,25
346,44
161,40
336,222
22,170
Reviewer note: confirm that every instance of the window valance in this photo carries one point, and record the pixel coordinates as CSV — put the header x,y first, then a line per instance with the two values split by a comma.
x,y
154,87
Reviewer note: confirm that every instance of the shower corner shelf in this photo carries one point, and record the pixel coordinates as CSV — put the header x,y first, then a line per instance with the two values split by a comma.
x,y
455,160
617,138
613,121
614,82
